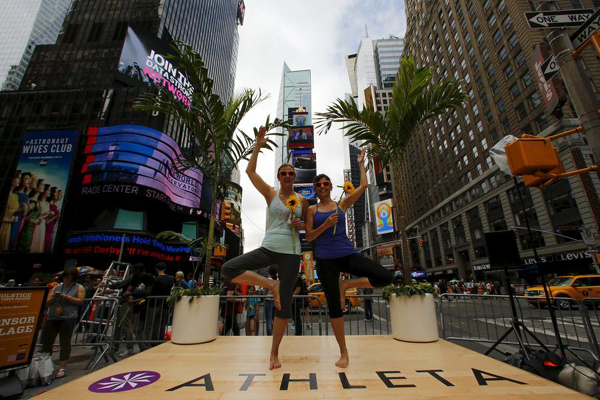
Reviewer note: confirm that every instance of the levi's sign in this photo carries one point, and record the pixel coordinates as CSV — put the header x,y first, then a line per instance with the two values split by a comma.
x,y
587,30
557,19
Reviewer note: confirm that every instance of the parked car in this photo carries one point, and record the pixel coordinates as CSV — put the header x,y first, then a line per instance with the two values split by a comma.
x,y
316,290
561,289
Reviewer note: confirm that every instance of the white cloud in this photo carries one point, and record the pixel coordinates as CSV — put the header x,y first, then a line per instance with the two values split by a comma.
x,y
311,34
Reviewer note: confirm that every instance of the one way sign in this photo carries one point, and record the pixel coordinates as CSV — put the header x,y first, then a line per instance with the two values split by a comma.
x,y
550,68
557,19
587,30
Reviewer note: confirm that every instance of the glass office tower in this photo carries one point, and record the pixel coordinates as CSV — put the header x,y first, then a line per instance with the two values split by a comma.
x,y
26,24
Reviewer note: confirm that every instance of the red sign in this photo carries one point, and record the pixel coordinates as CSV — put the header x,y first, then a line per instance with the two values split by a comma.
x,y
547,89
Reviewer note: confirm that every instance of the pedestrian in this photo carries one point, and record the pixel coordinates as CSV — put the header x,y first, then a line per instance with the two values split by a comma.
x,y
252,316
229,310
281,244
191,282
158,310
368,304
63,306
136,293
269,302
180,282
335,253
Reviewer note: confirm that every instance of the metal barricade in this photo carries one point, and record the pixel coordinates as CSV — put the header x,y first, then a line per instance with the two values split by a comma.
x,y
366,315
485,318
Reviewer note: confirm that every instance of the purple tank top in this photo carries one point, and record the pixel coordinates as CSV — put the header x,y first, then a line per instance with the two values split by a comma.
x,y
328,245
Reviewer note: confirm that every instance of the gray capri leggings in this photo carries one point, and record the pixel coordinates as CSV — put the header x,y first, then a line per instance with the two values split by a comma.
x,y
287,269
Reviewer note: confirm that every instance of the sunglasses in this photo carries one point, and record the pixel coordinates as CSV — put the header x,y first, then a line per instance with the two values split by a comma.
x,y
287,173
324,184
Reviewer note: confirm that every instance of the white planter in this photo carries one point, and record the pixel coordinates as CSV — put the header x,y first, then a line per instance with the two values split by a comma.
x,y
414,318
195,322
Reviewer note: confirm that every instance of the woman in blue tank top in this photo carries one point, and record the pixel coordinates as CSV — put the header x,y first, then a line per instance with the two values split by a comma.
x,y
281,246
335,253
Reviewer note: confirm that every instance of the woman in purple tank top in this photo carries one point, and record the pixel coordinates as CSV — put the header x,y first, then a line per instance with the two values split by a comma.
x,y
335,253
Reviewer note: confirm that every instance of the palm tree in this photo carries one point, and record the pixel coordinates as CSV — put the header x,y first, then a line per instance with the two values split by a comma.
x,y
218,143
416,98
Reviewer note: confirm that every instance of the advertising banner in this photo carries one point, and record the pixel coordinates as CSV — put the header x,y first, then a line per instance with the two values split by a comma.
x,y
137,160
383,217
144,61
546,87
34,204
301,137
20,314
305,162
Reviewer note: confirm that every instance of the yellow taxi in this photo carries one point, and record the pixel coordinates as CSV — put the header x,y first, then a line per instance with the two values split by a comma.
x,y
316,290
563,288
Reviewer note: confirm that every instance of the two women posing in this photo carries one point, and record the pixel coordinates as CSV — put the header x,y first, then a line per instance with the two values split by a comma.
x,y
281,246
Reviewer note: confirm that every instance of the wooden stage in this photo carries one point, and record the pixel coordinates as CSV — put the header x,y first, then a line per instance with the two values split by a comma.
x,y
380,368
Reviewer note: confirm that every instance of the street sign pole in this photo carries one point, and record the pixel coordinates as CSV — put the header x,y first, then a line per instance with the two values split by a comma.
x,y
572,72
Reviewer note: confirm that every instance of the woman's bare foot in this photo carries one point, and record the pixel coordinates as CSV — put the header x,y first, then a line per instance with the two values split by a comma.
x,y
343,294
274,288
274,362
343,361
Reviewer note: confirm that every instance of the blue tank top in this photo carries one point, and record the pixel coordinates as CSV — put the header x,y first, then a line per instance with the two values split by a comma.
x,y
328,245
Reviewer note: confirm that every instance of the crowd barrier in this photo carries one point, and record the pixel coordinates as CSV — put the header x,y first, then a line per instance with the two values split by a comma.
x,y
485,318
111,327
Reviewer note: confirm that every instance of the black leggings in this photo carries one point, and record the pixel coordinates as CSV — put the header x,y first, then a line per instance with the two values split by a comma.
x,y
287,270
355,264
62,328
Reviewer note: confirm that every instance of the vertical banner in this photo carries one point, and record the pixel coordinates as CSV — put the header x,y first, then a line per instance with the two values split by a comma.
x,y
35,201
383,217
20,314
547,89
309,266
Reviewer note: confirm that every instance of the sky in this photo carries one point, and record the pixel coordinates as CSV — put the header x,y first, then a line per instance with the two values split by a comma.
x,y
307,34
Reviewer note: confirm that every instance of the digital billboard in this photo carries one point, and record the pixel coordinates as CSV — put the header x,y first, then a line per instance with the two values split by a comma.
x,y
233,201
144,60
306,190
301,137
35,201
300,119
140,161
383,217
305,163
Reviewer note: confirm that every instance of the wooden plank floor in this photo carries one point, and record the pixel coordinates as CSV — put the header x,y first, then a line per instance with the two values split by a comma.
x,y
380,368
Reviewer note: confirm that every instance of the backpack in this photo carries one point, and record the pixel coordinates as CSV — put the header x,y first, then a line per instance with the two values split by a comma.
x,y
542,363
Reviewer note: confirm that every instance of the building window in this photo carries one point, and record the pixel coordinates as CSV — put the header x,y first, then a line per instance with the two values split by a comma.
x,y
459,231
485,54
535,100
507,23
475,152
563,210
509,71
502,54
515,91
514,40
501,107
522,209
490,70
495,88
520,59
495,215
484,100
497,36
506,125
484,144
526,78
71,33
542,122
521,111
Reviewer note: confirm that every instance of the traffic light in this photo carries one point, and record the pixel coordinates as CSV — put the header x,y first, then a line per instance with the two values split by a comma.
x,y
422,242
226,212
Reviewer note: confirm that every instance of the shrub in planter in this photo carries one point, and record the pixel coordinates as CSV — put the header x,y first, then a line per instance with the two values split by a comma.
x,y
412,310
195,315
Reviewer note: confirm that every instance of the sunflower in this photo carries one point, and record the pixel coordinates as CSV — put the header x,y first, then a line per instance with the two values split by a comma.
x,y
348,187
292,202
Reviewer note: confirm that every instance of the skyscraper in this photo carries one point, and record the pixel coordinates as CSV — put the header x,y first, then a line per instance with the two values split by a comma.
x,y
453,193
295,92
26,24
372,72
75,85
